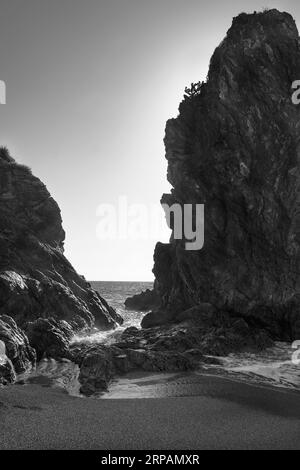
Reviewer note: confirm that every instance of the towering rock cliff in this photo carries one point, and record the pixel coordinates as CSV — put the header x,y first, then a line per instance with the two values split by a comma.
x,y
36,280
235,147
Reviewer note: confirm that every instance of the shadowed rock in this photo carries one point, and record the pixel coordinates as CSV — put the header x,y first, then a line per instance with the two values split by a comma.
x,y
146,300
36,280
234,147
50,338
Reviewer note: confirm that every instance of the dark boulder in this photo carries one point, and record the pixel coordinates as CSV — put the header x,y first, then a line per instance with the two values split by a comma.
x,y
146,300
96,370
156,318
50,338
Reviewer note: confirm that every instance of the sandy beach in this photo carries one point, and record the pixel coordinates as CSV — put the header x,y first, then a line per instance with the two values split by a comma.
x,y
217,414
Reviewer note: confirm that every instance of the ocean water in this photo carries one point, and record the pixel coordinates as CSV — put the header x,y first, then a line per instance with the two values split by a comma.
x,y
115,293
271,367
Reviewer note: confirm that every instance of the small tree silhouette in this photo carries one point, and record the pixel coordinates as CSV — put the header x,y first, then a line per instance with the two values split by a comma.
x,y
194,90
5,155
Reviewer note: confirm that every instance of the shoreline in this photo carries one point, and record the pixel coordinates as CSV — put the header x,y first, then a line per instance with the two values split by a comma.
x,y
221,414
138,385
267,370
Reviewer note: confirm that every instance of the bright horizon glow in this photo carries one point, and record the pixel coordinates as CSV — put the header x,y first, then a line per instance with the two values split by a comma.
x,y
89,88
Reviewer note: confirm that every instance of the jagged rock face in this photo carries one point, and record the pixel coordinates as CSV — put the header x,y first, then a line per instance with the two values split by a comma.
x,y
36,280
235,148
17,348
7,373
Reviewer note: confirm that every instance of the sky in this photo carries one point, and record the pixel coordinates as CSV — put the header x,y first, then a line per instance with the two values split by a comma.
x,y
90,85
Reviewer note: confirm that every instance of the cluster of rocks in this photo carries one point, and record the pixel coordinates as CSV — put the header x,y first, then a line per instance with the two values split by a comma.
x,y
199,333
183,345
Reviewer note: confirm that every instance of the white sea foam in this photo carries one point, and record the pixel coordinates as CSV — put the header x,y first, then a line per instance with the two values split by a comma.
x,y
272,366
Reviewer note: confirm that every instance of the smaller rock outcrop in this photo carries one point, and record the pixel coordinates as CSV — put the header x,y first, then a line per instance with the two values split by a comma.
x,y
96,370
146,300
157,317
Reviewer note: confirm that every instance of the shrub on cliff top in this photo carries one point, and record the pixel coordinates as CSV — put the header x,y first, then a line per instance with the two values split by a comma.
x,y
5,155
194,90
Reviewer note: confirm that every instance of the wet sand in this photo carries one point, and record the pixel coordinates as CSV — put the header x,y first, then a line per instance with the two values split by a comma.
x,y
217,414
